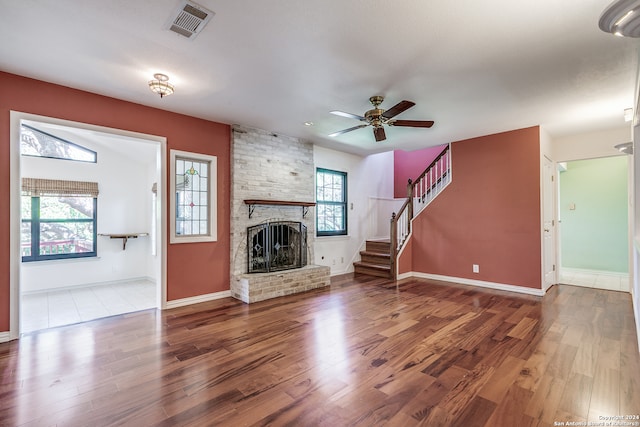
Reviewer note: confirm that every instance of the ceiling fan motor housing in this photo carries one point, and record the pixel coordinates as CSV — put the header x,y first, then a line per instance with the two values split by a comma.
x,y
374,116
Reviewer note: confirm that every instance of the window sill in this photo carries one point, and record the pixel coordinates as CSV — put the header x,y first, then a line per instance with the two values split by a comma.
x,y
336,237
29,264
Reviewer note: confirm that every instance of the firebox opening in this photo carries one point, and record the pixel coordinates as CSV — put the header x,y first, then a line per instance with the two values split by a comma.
x,y
276,246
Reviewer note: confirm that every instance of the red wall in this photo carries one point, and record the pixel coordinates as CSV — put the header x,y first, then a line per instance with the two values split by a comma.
x,y
489,215
404,260
192,269
409,165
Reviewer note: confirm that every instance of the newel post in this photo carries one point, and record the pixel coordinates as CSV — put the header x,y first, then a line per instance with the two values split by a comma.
x,y
410,204
393,245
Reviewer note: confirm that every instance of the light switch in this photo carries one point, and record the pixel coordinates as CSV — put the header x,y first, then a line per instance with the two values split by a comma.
x,y
572,206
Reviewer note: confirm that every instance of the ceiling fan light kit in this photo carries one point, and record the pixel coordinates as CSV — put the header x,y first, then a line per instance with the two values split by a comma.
x,y
378,118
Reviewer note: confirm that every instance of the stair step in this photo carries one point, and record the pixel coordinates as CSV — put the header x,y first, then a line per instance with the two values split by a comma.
x,y
375,257
375,260
372,269
380,246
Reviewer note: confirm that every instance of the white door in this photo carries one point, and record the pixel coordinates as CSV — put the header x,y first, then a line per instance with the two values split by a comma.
x,y
548,221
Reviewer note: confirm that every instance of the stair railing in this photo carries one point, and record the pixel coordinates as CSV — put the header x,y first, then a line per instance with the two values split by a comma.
x,y
419,193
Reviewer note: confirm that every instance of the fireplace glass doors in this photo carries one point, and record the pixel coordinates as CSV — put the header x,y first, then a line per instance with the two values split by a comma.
x,y
276,246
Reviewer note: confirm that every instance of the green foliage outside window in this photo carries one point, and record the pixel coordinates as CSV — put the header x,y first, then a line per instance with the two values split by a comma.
x,y
56,227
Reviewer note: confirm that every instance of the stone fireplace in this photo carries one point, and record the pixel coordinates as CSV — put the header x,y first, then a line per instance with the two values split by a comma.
x,y
272,182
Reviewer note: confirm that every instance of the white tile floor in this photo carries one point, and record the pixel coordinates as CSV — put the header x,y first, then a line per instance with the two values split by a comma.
x,y
63,307
595,279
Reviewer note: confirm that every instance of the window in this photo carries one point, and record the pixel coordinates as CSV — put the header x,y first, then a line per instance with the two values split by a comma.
x,y
331,202
58,219
34,142
193,185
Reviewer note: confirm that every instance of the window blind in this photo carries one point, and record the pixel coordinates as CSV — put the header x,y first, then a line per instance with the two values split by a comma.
x,y
57,187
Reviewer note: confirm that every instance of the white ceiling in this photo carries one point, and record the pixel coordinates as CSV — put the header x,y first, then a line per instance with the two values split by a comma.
x,y
475,67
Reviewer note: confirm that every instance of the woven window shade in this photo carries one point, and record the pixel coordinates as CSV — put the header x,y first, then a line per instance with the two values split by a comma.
x,y
57,187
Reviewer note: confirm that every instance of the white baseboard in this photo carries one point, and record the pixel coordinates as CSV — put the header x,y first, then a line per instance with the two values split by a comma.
x,y
403,276
5,336
87,285
472,282
340,273
636,312
197,299
569,270
598,279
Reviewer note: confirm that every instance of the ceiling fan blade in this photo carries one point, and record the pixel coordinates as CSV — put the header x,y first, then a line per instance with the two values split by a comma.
x,y
379,134
340,132
397,109
412,123
348,115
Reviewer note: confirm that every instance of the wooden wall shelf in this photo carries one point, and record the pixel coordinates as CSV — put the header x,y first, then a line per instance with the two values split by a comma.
x,y
124,237
253,202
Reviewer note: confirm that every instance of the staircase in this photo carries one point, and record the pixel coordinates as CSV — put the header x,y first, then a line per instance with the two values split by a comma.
x,y
379,257
375,259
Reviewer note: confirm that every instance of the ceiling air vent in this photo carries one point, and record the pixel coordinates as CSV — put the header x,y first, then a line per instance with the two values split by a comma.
x,y
189,19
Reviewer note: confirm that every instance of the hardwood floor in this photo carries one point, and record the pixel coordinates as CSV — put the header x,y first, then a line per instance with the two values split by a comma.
x,y
361,352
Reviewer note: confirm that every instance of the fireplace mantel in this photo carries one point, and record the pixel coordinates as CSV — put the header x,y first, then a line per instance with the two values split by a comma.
x,y
253,202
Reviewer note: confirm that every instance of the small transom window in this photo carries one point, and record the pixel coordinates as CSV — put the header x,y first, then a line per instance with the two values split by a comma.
x,y
34,142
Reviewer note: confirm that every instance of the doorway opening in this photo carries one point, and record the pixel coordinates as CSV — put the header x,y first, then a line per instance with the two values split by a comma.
x,y
594,223
64,283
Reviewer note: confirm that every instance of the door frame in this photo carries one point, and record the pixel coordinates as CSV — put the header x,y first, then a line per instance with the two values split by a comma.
x,y
548,205
630,187
15,120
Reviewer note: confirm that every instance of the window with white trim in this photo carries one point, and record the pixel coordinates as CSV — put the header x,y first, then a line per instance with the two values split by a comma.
x,y
331,202
194,197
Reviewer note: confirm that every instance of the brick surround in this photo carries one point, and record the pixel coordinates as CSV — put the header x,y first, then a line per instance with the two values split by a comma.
x,y
275,167
260,286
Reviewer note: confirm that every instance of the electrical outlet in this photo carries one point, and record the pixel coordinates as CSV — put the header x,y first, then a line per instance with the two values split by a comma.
x,y
476,268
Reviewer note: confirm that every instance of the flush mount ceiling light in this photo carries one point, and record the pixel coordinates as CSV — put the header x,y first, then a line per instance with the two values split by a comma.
x,y
621,18
160,85
626,148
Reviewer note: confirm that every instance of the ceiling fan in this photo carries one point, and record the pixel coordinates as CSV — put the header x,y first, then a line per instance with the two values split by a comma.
x,y
378,117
